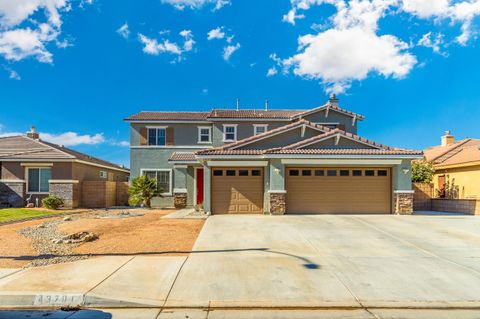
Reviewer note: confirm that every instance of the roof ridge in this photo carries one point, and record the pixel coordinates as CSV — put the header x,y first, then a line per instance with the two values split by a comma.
x,y
458,144
333,107
66,150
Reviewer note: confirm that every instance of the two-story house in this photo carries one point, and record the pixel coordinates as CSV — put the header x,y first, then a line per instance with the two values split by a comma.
x,y
270,161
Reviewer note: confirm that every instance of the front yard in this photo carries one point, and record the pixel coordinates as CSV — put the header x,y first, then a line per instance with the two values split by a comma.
x,y
120,232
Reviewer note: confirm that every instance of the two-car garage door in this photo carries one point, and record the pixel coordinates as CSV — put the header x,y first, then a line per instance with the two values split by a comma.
x,y
310,190
331,190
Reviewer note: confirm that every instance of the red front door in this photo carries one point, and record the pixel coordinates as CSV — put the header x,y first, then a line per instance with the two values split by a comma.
x,y
199,186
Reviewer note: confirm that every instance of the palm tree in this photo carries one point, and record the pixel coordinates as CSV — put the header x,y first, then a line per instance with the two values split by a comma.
x,y
142,190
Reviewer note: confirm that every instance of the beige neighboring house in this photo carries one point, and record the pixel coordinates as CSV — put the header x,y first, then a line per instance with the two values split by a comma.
x,y
456,163
31,169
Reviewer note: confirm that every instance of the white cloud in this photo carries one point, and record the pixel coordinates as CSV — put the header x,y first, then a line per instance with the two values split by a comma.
x,y
272,71
432,41
124,31
154,47
338,57
351,49
73,138
28,26
196,4
229,50
189,42
291,16
216,33
14,75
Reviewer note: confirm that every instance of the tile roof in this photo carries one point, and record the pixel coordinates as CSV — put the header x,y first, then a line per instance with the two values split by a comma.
x,y
169,116
461,152
24,148
354,151
272,114
182,157
333,132
253,114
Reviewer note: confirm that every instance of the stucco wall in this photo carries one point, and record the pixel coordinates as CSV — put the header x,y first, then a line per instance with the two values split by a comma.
x,y
279,140
92,173
466,178
333,117
244,129
183,134
402,175
14,170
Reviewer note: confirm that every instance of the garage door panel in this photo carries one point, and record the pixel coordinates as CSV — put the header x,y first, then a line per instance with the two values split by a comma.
x,y
237,194
338,194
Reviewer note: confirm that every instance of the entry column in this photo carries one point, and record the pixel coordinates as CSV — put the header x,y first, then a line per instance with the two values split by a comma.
x,y
277,192
180,186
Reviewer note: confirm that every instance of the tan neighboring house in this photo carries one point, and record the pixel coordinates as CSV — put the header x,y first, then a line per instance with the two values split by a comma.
x,y
457,167
31,169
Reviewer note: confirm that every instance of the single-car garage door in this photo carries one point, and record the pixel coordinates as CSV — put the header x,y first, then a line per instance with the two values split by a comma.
x,y
237,190
330,190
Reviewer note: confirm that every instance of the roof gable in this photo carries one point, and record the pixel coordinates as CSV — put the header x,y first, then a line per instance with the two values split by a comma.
x,y
24,148
462,152
329,108
298,127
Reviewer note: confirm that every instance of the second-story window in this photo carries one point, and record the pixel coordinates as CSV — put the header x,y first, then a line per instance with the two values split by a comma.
x,y
259,128
229,133
156,136
204,134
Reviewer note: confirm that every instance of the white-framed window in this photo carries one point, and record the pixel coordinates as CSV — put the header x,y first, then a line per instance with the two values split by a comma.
x,y
259,128
229,132
38,179
204,134
163,177
156,136
103,174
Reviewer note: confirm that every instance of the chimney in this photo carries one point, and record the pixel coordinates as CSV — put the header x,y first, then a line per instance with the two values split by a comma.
x,y
33,133
447,139
333,101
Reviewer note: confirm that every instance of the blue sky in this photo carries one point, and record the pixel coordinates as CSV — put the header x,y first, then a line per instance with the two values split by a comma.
x,y
75,69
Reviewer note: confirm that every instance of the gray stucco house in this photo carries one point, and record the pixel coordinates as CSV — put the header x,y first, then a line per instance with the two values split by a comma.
x,y
270,161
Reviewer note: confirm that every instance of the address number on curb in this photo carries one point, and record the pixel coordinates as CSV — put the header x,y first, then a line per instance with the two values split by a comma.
x,y
58,300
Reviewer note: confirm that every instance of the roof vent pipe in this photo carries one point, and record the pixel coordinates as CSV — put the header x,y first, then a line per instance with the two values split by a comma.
x,y
238,104
266,105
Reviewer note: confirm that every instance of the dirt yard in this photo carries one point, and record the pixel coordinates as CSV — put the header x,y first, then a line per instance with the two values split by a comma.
x,y
31,243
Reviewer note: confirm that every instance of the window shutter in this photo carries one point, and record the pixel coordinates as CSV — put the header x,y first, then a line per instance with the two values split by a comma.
x,y
169,137
341,126
143,136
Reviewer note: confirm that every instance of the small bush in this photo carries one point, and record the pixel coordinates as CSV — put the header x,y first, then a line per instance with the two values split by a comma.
x,y
422,172
52,202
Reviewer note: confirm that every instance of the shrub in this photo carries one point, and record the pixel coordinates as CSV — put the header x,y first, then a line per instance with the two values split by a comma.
x,y
142,190
52,202
422,172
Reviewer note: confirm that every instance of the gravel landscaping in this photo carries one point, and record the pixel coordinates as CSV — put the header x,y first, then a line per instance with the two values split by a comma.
x,y
95,233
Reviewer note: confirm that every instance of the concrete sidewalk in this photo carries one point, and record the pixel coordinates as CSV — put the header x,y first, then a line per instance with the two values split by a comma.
x,y
359,263
154,313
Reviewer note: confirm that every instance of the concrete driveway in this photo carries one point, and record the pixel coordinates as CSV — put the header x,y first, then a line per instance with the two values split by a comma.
x,y
364,263
333,261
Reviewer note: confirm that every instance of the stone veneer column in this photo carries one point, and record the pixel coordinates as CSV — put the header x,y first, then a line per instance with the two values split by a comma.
x,y
68,190
180,187
12,192
403,202
277,202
